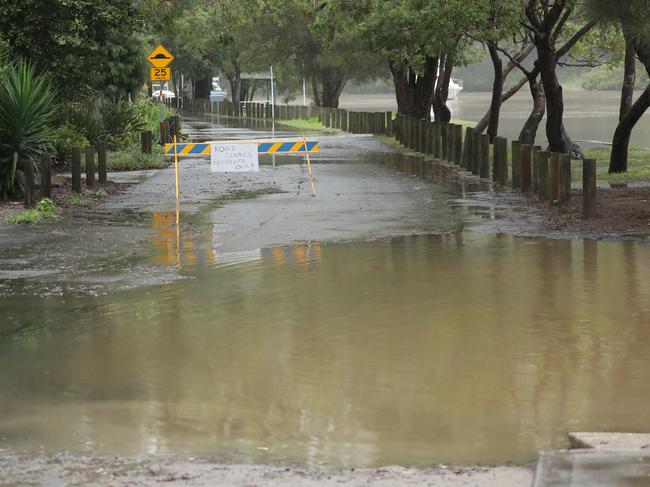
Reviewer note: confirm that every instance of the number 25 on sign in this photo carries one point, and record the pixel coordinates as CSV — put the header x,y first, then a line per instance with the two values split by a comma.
x,y
161,74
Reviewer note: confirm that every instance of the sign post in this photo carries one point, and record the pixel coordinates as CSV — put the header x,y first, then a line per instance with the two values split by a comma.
x,y
160,58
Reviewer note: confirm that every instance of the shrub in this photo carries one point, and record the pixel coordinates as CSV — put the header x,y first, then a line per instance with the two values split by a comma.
x,y
27,115
45,209
64,138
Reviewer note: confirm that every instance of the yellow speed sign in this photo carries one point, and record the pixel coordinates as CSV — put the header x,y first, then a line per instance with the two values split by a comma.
x,y
161,74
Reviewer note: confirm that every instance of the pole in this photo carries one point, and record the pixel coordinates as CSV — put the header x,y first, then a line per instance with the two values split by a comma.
x,y
176,165
304,87
272,104
311,174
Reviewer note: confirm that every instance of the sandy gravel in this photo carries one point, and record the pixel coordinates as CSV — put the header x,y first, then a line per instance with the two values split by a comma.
x,y
65,469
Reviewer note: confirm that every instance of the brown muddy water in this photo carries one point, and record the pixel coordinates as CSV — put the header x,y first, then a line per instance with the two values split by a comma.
x,y
458,346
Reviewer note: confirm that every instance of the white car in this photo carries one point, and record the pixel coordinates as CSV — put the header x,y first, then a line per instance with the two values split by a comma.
x,y
164,94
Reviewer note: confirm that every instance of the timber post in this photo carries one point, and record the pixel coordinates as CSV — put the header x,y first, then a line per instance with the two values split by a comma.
x,y
89,154
484,169
75,169
542,175
516,163
553,177
46,178
589,188
526,170
565,179
101,162
28,174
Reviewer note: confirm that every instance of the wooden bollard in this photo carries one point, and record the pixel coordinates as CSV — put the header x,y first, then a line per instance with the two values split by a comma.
x,y
565,179
542,175
89,154
589,188
484,157
146,141
526,169
75,169
458,141
495,160
469,164
419,135
46,176
502,144
466,146
437,140
475,166
444,145
28,190
451,141
535,172
553,177
164,133
516,163
101,162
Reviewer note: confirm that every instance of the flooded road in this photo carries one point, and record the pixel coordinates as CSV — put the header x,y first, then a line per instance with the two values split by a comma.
x,y
428,342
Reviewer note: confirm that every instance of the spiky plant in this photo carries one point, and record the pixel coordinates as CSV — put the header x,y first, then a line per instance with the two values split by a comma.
x,y
27,117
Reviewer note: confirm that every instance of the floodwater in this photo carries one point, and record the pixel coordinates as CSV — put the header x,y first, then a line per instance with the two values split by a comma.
x,y
458,346
590,117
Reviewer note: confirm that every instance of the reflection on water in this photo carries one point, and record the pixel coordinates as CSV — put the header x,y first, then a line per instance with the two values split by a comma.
x,y
455,348
175,248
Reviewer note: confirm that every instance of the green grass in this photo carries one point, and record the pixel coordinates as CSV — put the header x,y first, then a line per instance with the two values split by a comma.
x,y
77,200
638,164
131,159
465,123
309,124
98,193
44,210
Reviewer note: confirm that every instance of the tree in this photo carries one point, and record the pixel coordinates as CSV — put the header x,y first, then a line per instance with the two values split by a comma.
x,y
633,18
546,21
81,44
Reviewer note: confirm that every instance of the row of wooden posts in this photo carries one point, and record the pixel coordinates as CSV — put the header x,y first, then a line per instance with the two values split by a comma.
x,y
336,118
92,169
529,169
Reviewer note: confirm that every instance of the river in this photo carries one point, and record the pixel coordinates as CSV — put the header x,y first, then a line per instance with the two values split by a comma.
x,y
590,117
374,325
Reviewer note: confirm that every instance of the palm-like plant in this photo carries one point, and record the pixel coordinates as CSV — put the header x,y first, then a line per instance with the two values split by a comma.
x,y
27,117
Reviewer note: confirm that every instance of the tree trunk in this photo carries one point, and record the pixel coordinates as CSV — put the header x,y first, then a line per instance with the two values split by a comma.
x,y
483,123
327,86
440,109
414,91
497,88
400,82
546,64
529,130
618,160
618,157
202,87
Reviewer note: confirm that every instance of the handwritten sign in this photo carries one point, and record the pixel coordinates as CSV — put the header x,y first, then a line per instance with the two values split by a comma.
x,y
234,158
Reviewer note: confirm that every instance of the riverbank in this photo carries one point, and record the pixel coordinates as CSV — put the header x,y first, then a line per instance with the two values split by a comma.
x,y
97,470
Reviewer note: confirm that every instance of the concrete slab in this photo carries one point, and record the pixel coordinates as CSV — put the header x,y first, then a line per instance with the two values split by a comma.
x,y
588,468
610,441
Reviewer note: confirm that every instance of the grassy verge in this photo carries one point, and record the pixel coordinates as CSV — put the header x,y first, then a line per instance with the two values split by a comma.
x,y
44,210
310,124
131,159
638,165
